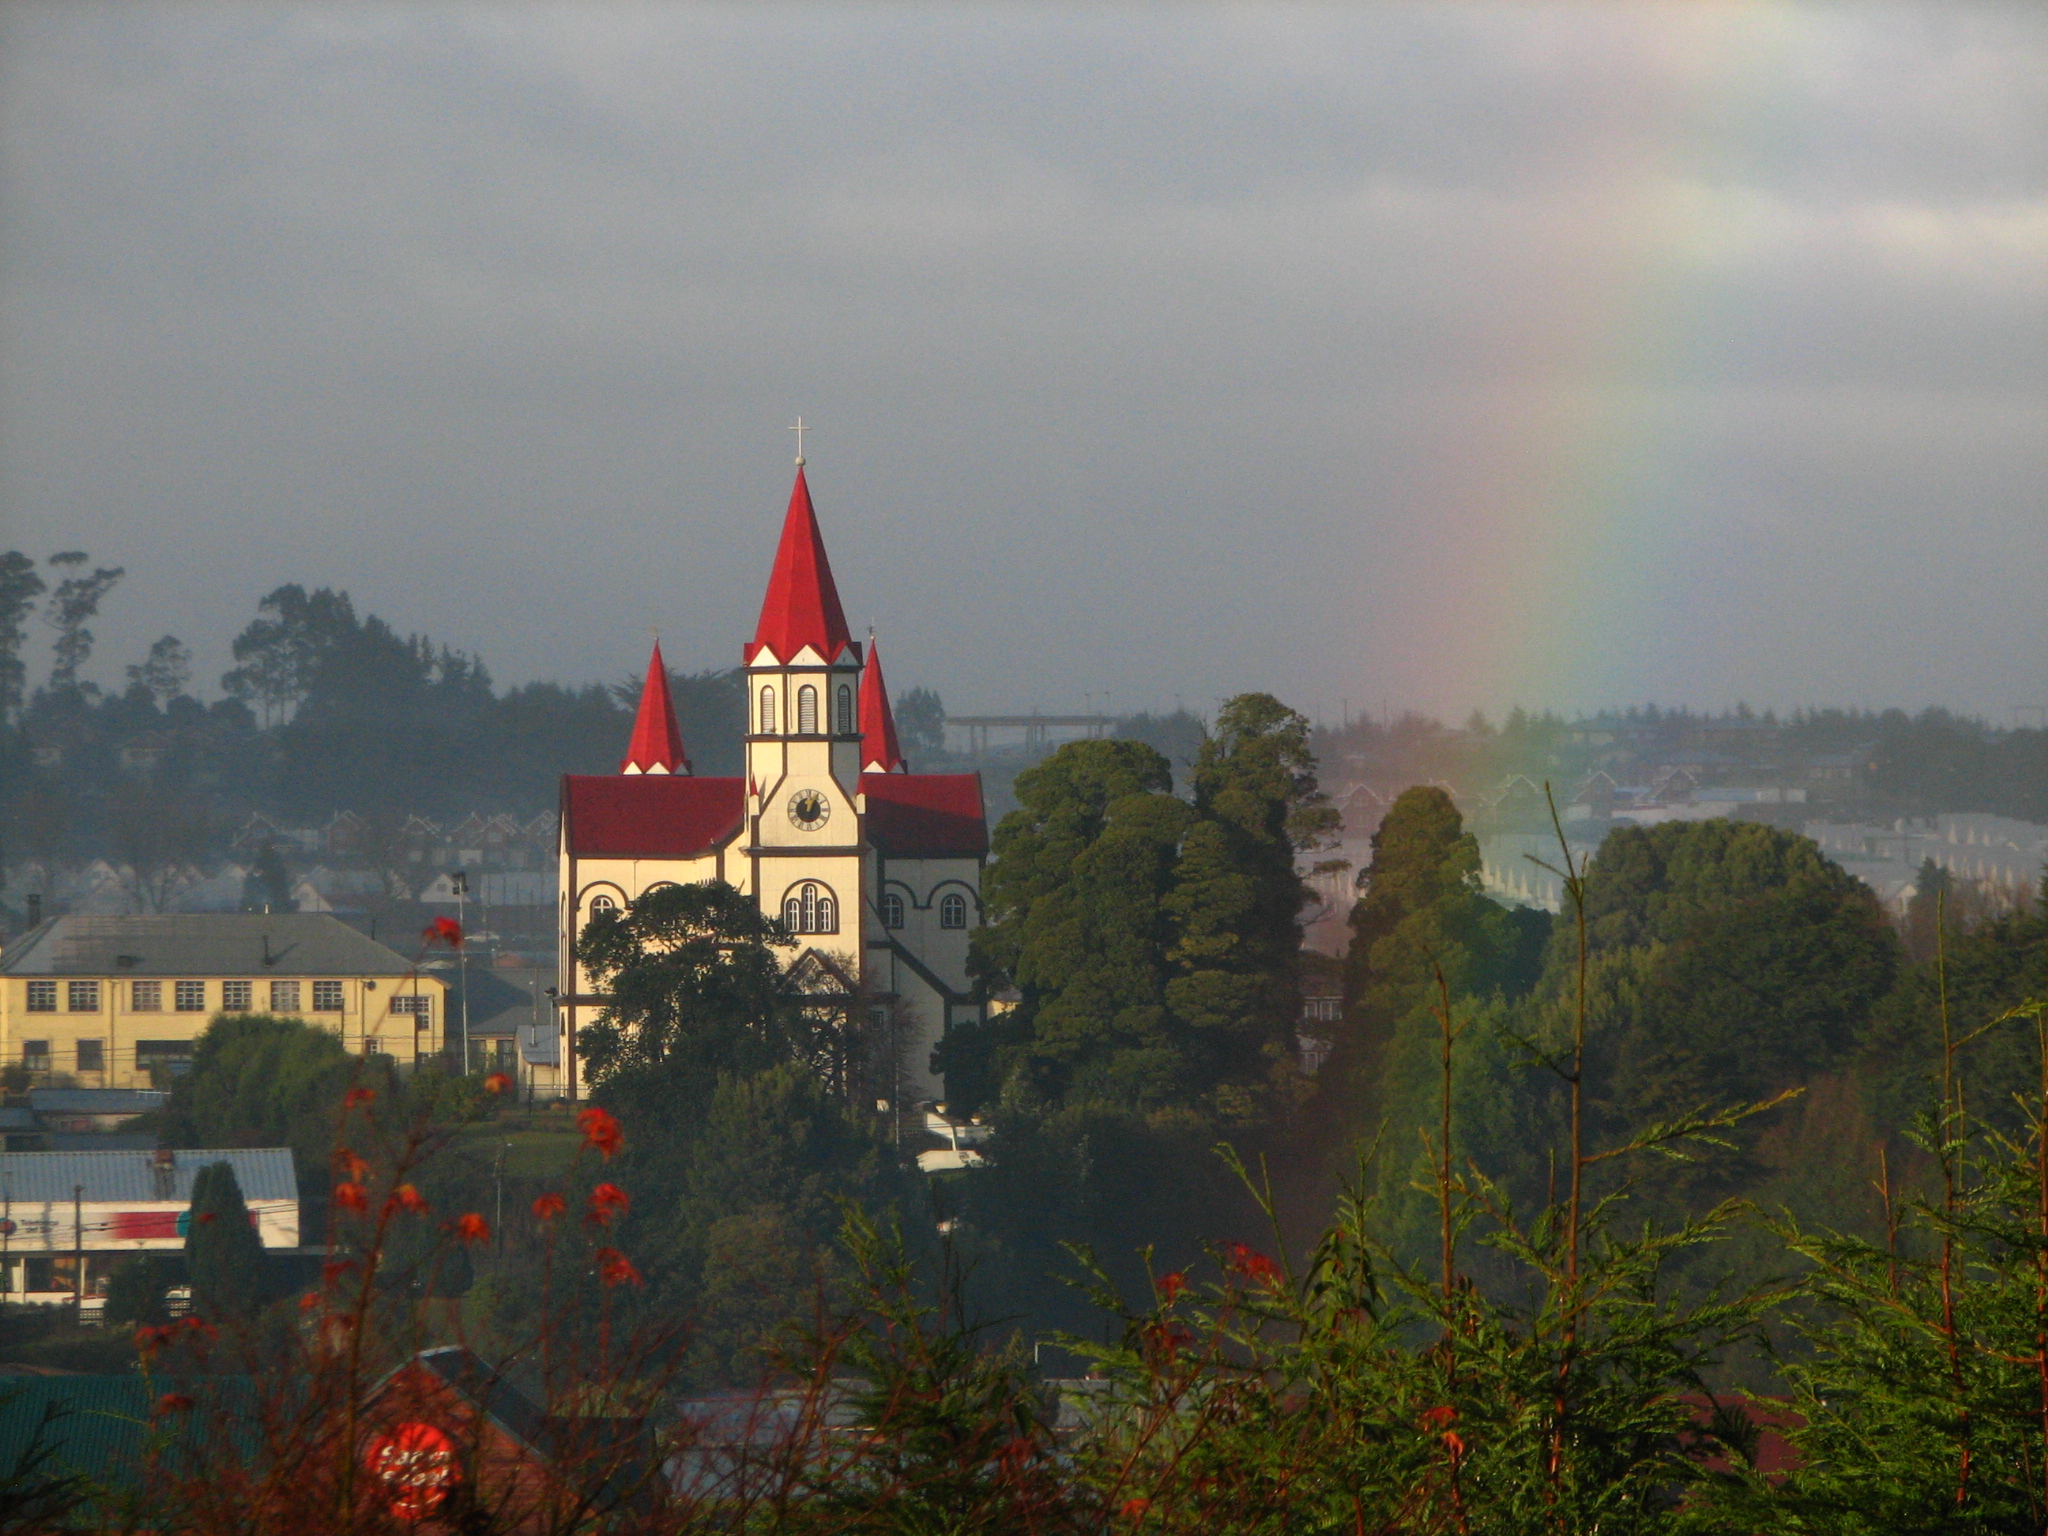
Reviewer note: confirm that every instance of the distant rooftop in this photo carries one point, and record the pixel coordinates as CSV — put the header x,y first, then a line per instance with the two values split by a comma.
x,y
34,1178
200,944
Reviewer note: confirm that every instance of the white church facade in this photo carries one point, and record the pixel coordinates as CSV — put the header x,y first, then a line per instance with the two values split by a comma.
x,y
873,870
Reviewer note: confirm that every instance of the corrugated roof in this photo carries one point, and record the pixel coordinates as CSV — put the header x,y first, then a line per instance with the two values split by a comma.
x,y
99,1426
31,1178
96,1101
200,944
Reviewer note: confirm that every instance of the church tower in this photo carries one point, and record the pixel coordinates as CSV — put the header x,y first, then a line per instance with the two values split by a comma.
x,y
806,846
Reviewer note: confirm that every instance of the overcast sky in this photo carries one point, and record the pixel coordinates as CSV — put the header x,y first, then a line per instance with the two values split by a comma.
x,y
1434,356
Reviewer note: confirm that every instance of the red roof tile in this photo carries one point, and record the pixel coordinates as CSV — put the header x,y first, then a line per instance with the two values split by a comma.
x,y
802,605
649,816
926,815
657,739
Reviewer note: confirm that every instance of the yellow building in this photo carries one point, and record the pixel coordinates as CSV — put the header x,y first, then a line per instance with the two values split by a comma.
x,y
117,1002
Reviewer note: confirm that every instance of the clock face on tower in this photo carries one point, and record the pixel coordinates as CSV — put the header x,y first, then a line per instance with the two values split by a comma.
x,y
809,810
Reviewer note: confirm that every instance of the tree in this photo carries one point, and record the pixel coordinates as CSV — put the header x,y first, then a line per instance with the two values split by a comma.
x,y
71,608
137,1291
1237,891
262,1081
268,885
1076,899
223,1253
158,837
166,671
695,987
20,586
921,723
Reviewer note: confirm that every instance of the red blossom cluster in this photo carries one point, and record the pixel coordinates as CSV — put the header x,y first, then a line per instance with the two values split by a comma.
x,y
497,1082
1171,1285
601,1130
606,1201
406,1198
443,930
614,1268
548,1207
472,1228
1252,1265
150,1339
356,1097
350,1196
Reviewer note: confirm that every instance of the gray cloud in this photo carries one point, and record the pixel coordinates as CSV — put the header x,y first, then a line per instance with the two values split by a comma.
x,y
1442,355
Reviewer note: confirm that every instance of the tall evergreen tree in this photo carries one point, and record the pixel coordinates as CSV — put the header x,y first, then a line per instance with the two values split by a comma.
x,y
20,586
223,1253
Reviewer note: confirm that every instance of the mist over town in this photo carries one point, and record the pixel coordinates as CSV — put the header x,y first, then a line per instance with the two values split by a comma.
x,y
1213,770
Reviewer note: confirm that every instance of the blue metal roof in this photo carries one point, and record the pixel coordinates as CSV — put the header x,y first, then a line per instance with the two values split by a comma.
x,y
32,1178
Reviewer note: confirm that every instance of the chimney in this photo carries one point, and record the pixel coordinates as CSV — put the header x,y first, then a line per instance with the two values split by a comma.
x,y
163,1172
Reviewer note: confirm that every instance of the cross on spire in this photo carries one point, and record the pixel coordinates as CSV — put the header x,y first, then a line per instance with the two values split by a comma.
x,y
800,429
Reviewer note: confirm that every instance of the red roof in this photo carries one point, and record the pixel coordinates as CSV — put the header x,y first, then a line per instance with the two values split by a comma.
x,y
926,815
657,740
802,605
878,749
649,816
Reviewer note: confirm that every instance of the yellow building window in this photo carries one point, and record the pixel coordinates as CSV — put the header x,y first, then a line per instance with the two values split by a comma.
x,y
237,996
190,996
82,996
284,997
146,996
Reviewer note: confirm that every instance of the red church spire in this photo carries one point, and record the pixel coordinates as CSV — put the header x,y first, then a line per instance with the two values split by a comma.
x,y
802,606
657,745
879,752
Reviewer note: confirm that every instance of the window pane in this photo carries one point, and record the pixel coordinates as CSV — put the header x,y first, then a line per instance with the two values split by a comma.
x,y
42,997
845,711
807,711
191,996
892,911
953,912
148,996
35,1054
284,997
92,1056
767,712
82,996
327,997
237,996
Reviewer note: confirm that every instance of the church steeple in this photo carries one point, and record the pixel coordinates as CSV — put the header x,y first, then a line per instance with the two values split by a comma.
x,y
657,744
802,605
879,752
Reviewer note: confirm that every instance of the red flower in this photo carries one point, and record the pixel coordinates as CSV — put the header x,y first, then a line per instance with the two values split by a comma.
x,y
309,1301
174,1402
443,930
150,1340
1171,1284
1455,1442
548,1207
1253,1265
406,1198
601,1130
356,1096
1438,1418
350,1197
614,1268
606,1201
497,1082
1134,1509
349,1166
472,1228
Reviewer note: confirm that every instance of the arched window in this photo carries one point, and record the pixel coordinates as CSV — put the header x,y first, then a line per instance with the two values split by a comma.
x,y
603,903
892,910
810,908
767,712
953,910
807,711
845,710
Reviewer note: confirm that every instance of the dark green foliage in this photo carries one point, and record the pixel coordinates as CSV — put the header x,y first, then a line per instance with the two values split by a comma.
x,y
697,987
1153,942
262,1081
136,1289
921,725
20,586
223,1253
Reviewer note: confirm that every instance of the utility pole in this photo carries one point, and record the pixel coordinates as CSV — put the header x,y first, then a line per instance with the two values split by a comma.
x,y
78,1252
460,879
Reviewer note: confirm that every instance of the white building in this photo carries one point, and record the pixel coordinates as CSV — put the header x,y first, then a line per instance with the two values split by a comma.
x,y
873,869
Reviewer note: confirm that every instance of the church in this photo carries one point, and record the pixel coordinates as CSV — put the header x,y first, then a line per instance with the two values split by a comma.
x,y
873,871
